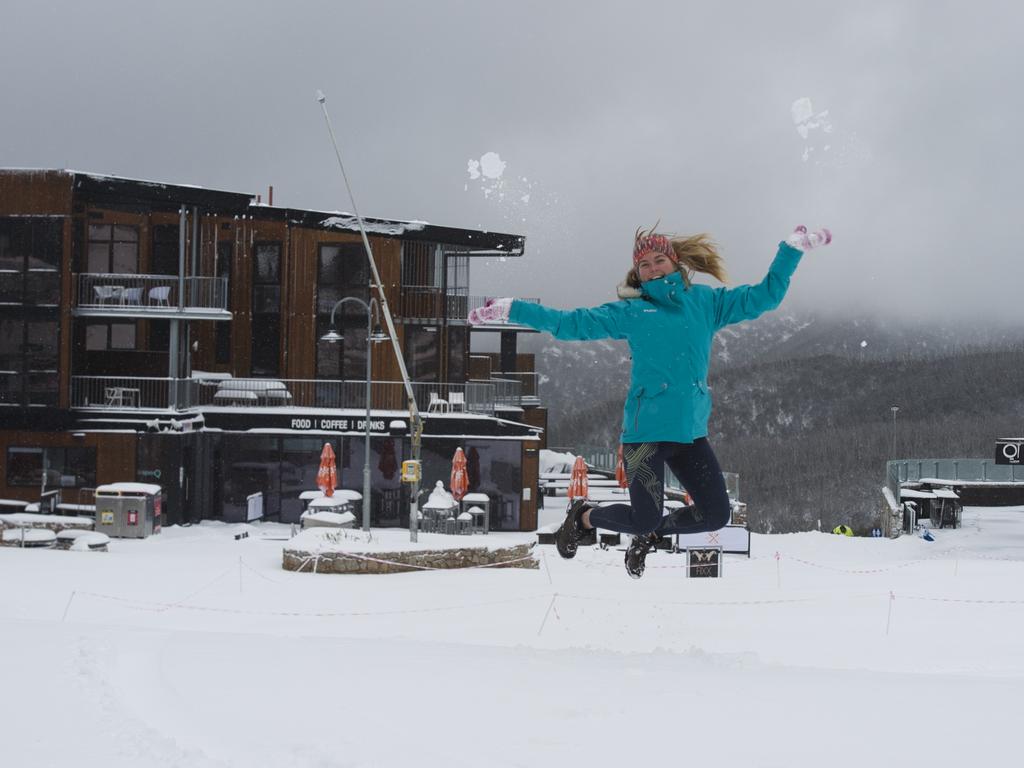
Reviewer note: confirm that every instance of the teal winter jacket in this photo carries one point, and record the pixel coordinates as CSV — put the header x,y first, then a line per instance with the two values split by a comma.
x,y
669,330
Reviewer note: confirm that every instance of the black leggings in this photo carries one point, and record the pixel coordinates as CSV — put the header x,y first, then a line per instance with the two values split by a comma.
x,y
697,469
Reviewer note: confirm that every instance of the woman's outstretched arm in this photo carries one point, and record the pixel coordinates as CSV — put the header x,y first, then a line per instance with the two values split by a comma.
x,y
585,324
745,302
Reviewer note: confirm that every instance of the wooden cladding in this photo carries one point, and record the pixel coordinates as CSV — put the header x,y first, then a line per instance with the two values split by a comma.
x,y
35,193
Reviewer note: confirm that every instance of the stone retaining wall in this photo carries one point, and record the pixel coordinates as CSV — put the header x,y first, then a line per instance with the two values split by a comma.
x,y
340,562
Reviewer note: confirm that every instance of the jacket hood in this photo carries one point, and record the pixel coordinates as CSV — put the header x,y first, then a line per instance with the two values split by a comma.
x,y
626,291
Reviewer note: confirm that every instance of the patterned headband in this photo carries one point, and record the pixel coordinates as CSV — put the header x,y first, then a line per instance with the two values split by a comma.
x,y
652,244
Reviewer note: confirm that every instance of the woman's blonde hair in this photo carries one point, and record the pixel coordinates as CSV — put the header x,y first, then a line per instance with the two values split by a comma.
x,y
694,253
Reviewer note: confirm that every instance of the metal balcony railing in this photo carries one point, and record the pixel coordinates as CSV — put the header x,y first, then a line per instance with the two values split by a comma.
x,y
119,393
472,302
131,393
506,391
118,292
527,380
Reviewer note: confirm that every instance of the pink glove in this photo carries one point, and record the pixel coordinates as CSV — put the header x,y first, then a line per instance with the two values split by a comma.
x,y
494,311
805,240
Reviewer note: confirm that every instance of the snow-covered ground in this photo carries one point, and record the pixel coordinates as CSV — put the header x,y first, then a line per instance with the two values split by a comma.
x,y
195,649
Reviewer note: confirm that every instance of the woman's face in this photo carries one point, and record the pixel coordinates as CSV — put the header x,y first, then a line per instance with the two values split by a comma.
x,y
653,266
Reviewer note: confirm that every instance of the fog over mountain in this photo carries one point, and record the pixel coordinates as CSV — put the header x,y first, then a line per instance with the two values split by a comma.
x,y
894,123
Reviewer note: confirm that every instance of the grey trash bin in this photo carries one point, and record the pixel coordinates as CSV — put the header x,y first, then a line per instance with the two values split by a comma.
x,y
128,510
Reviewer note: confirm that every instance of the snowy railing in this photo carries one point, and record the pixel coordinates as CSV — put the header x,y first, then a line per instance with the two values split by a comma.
x,y
985,470
131,393
527,381
140,393
119,291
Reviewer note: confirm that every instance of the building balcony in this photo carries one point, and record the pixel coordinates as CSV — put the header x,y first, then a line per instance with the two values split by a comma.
x,y
428,304
472,302
124,393
526,393
151,296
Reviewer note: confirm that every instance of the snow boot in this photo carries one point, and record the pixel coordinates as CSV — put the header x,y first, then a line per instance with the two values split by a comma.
x,y
636,554
567,539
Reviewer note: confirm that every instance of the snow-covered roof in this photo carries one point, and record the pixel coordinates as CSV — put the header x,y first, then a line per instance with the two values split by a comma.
x,y
129,488
374,227
910,493
329,502
326,516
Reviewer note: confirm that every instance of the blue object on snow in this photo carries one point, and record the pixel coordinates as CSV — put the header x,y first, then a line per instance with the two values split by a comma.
x,y
927,535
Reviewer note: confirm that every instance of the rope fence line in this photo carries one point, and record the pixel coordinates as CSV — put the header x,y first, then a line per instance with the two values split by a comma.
x,y
159,607
889,596
961,600
858,571
715,603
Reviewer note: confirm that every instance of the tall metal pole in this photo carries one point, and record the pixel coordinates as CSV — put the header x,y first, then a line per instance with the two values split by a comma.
x,y
366,426
414,411
366,453
892,451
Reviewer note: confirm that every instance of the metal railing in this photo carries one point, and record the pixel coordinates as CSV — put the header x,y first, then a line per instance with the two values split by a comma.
x,y
131,393
427,302
120,292
506,391
912,470
604,460
119,393
527,381
472,302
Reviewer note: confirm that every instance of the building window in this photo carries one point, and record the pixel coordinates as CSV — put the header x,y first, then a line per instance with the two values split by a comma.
x,y
222,331
342,271
423,352
113,249
266,309
458,352
62,467
108,335
28,360
166,254
30,257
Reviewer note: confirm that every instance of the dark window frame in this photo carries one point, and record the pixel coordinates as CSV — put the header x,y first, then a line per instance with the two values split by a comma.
x,y
266,344
111,243
49,456
345,359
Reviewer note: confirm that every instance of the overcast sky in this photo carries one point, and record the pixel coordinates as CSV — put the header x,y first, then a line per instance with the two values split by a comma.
x,y
608,116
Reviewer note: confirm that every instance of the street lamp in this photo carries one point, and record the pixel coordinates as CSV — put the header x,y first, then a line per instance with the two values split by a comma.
x,y
374,335
894,409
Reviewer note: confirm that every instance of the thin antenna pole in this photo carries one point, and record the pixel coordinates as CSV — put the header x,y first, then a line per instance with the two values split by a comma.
x,y
416,430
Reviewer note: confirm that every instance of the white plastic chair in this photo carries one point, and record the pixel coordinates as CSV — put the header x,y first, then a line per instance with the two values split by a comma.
x,y
437,404
103,292
131,296
457,401
159,295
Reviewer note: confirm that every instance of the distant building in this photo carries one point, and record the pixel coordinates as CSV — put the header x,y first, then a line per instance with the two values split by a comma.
x,y
172,334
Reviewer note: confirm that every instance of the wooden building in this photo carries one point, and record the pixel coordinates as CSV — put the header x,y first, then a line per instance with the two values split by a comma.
x,y
173,334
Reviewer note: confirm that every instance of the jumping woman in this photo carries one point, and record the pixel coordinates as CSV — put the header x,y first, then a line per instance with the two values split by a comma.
x,y
669,322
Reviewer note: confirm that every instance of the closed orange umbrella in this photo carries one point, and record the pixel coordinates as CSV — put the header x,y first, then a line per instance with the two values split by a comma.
x,y
460,479
620,470
578,480
327,475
